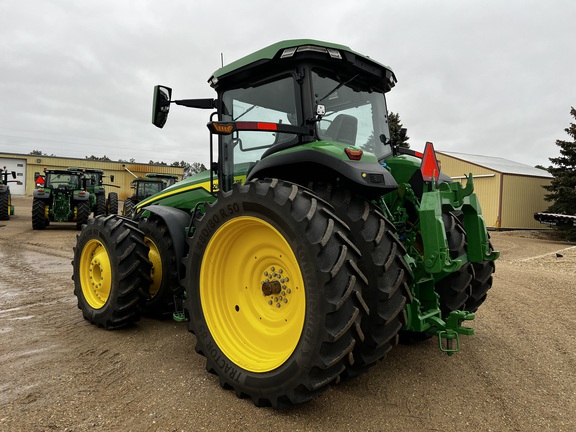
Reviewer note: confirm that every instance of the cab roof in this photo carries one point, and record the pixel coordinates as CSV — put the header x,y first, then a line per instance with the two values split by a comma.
x,y
287,49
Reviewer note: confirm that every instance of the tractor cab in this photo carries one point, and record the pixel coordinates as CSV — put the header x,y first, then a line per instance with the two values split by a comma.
x,y
63,180
168,179
297,109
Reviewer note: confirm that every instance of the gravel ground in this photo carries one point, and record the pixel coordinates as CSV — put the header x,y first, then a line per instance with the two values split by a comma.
x,y
59,373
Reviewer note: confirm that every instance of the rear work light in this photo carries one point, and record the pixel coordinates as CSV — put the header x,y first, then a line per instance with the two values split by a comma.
x,y
429,167
289,52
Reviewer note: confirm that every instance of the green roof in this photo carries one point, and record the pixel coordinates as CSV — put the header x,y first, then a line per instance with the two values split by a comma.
x,y
271,51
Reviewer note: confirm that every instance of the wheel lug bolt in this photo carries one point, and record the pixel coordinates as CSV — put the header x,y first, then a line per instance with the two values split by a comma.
x,y
277,305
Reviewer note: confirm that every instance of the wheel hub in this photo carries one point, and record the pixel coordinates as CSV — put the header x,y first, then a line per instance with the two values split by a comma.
x,y
96,273
275,288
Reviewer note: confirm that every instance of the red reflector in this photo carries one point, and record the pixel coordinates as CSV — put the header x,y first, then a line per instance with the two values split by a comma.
x,y
429,167
256,126
267,126
353,154
418,154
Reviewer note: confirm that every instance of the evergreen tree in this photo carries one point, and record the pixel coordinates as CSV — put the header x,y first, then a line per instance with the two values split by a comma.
x,y
563,186
396,137
395,126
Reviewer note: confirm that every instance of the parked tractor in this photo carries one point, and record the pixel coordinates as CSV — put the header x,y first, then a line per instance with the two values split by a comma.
x,y
311,247
93,182
168,179
6,207
62,198
144,187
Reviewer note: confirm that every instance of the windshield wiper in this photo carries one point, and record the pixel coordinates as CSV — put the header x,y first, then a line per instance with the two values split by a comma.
x,y
338,87
245,112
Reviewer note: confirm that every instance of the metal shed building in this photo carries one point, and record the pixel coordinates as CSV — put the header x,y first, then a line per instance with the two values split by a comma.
x,y
509,192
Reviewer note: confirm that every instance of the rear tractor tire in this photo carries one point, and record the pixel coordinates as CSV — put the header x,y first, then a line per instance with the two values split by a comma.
x,y
4,206
455,289
383,264
100,205
128,207
83,213
39,220
112,203
111,271
274,293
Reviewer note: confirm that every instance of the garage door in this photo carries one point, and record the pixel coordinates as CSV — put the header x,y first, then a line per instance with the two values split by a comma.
x,y
18,165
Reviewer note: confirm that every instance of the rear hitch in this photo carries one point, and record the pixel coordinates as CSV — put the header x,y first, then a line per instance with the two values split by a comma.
x,y
449,331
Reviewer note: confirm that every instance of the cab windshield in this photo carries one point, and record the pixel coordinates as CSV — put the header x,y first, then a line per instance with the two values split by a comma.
x,y
355,114
146,189
63,180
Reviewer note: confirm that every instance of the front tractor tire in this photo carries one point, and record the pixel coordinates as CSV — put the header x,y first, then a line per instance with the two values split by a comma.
x,y
274,293
164,272
111,271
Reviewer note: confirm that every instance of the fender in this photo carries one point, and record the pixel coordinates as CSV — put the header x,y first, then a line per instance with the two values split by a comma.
x,y
80,196
177,221
42,193
367,176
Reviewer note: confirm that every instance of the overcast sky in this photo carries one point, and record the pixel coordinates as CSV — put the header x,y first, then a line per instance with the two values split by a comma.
x,y
493,78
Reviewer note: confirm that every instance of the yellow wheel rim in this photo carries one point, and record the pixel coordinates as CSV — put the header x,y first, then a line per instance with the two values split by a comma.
x,y
156,271
252,294
95,274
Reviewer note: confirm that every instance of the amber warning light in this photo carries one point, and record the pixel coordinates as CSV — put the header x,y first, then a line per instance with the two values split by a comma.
x,y
429,167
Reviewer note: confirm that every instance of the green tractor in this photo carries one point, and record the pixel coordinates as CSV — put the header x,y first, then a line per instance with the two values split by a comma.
x,y
6,207
62,198
93,182
168,179
312,246
144,187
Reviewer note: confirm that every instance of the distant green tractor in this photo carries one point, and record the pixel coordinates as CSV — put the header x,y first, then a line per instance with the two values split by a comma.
x,y
312,246
62,198
144,187
169,179
93,182
6,207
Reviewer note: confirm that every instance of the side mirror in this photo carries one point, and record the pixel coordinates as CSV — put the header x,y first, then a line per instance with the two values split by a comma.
x,y
13,174
36,175
161,105
112,178
403,132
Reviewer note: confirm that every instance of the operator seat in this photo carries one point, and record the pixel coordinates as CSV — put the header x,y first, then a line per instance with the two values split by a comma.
x,y
343,129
